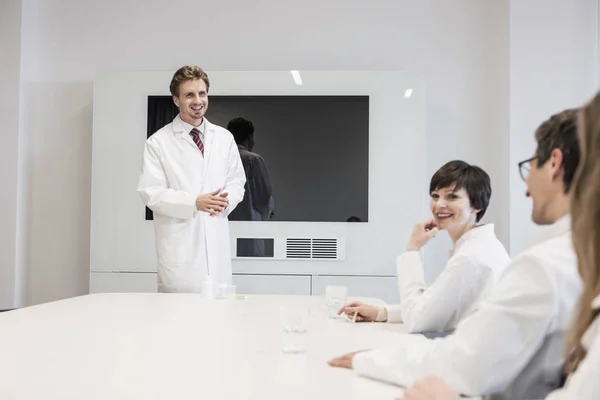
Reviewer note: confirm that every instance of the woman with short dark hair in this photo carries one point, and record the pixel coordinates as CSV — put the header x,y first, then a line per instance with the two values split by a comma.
x,y
459,196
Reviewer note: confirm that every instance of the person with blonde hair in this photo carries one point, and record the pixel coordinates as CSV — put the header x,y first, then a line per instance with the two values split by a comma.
x,y
192,178
582,350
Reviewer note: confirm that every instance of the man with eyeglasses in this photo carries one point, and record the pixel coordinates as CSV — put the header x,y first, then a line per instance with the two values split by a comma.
x,y
512,346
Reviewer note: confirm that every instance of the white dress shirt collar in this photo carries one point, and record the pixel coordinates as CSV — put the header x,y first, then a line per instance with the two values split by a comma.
x,y
188,128
560,227
477,233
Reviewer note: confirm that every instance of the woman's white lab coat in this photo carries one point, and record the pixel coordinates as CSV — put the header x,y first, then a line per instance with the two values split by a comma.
x,y
475,264
584,384
190,245
512,346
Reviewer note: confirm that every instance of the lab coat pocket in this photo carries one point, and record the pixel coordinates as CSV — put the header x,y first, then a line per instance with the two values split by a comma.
x,y
175,249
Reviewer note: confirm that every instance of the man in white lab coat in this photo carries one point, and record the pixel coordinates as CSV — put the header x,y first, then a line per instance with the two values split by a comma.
x,y
191,178
512,346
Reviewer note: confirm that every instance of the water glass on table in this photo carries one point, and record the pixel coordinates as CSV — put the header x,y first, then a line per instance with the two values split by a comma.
x,y
335,298
294,328
225,291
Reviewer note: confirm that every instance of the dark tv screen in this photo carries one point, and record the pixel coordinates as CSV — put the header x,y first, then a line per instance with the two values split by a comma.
x,y
315,148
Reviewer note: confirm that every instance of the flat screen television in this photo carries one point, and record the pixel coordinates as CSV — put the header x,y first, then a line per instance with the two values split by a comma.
x,y
315,148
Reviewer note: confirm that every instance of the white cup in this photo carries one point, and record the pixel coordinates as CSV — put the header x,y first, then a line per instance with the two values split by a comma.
x,y
207,288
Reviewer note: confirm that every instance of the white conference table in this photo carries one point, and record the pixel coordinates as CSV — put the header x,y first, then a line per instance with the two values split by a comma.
x,y
180,346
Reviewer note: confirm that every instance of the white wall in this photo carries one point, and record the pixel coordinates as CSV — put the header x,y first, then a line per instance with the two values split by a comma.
x,y
26,95
122,240
10,66
459,47
468,96
16,42
553,66
462,47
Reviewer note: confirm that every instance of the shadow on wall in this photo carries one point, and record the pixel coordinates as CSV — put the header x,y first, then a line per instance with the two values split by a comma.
x,y
59,161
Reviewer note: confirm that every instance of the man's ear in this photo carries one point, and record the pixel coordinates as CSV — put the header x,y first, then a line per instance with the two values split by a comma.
x,y
556,163
176,101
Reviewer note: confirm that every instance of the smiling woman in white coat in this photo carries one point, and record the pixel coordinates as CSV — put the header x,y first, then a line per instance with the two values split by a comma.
x,y
192,177
459,197
512,346
583,344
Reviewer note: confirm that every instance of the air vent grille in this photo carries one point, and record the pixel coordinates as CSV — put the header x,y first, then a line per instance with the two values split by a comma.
x,y
297,248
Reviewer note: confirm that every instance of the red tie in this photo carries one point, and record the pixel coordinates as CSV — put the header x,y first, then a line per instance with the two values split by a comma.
x,y
196,136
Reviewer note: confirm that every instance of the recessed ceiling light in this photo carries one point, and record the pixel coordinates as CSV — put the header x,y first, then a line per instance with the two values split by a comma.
x,y
408,93
296,76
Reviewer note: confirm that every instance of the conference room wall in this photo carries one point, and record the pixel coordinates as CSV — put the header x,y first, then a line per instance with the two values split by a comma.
x,y
123,241
10,72
462,48
459,47
553,66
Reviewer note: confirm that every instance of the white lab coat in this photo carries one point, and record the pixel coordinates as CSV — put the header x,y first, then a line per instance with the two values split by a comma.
x,y
190,245
475,264
512,346
584,384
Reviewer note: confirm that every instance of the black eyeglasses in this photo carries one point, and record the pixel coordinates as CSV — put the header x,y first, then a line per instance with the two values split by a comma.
x,y
525,167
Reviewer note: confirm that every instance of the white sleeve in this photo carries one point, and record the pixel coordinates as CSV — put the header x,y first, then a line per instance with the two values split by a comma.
x,y
488,349
439,307
235,180
411,283
391,313
584,384
154,189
